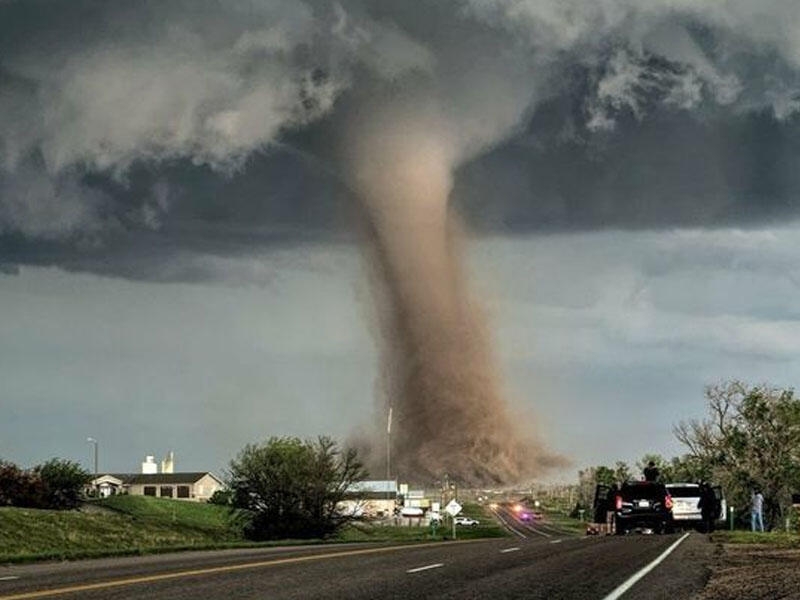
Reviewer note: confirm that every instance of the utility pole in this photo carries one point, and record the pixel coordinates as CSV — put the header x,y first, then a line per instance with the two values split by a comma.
x,y
91,440
389,445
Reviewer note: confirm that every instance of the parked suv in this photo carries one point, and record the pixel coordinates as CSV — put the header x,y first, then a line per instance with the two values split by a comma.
x,y
642,504
686,504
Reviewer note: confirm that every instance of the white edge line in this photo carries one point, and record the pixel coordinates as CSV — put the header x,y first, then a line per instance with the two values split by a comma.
x,y
509,527
9,578
644,571
425,568
508,550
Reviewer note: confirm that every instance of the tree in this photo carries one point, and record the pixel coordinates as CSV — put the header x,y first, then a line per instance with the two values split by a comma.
x,y
622,472
19,487
291,487
751,438
63,483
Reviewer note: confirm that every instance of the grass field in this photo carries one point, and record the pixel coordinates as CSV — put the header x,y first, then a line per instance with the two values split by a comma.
x,y
564,521
780,539
191,517
131,525
123,525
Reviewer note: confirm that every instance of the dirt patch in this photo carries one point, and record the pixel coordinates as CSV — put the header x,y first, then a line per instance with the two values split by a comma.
x,y
750,571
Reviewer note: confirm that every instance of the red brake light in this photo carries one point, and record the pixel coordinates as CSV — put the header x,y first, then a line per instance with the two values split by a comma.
x,y
668,502
618,502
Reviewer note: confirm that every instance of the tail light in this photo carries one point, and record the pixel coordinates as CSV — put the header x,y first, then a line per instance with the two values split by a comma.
x,y
668,502
618,502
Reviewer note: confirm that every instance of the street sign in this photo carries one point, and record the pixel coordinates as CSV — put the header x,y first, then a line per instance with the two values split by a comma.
x,y
453,508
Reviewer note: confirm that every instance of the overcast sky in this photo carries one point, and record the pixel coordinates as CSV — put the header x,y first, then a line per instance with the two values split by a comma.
x,y
180,266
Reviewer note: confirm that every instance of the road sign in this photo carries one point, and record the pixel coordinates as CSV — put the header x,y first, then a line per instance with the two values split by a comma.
x,y
453,508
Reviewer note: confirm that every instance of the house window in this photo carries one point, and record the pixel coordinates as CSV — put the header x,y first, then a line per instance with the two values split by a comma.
x,y
149,490
183,491
166,491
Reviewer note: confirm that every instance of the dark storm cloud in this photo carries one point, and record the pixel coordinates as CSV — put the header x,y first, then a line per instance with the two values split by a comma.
x,y
137,137
670,169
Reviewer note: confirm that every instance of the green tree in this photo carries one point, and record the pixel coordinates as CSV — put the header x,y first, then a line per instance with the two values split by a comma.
x,y
622,472
19,487
291,487
63,482
751,438
688,468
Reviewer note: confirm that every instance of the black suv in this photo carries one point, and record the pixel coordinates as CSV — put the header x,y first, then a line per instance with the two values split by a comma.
x,y
644,504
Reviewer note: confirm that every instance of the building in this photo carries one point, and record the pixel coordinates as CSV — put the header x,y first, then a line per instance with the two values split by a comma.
x,y
197,486
370,499
194,486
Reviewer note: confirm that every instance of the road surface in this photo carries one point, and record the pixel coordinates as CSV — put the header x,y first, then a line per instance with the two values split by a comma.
x,y
537,567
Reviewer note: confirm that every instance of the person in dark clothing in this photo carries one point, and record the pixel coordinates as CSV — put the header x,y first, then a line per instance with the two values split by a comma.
x,y
611,507
651,472
708,506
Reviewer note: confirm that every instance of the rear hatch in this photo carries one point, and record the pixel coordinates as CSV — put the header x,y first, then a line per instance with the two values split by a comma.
x,y
642,498
685,498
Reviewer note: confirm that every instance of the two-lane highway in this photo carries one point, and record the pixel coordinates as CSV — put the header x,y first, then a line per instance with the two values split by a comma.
x,y
538,567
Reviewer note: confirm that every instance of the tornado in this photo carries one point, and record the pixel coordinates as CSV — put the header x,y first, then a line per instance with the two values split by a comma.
x,y
438,372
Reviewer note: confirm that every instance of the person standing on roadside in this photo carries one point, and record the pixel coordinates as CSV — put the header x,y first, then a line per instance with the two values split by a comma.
x,y
757,510
651,472
611,507
708,506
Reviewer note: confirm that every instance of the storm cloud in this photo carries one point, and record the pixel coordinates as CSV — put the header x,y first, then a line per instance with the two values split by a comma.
x,y
135,138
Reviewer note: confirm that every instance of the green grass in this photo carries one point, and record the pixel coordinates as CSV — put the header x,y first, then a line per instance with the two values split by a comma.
x,y
142,525
780,539
190,517
130,525
564,521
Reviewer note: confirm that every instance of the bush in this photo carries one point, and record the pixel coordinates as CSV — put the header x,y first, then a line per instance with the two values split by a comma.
x,y
20,488
221,498
291,488
63,482
56,484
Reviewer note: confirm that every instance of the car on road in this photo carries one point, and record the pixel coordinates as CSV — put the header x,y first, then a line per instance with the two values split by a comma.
x,y
686,504
466,521
411,511
645,505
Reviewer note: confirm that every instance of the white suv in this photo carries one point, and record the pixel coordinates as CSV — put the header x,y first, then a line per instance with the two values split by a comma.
x,y
685,504
685,501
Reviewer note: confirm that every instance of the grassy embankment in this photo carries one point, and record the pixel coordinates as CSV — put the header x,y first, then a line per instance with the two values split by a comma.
x,y
780,539
138,525
128,525
562,520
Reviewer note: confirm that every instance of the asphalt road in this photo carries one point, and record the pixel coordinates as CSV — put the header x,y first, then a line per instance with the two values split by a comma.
x,y
536,567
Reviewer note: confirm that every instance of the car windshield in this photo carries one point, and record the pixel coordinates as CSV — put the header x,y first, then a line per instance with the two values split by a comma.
x,y
642,491
684,491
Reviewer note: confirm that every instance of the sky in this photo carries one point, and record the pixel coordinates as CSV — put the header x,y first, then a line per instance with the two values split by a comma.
x,y
181,264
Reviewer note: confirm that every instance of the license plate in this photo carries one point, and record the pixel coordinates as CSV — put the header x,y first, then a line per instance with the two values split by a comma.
x,y
643,503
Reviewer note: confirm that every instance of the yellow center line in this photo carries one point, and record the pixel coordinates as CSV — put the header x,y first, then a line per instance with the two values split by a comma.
x,y
211,570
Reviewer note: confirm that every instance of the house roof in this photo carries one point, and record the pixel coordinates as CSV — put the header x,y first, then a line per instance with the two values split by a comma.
x,y
381,486
161,478
370,495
